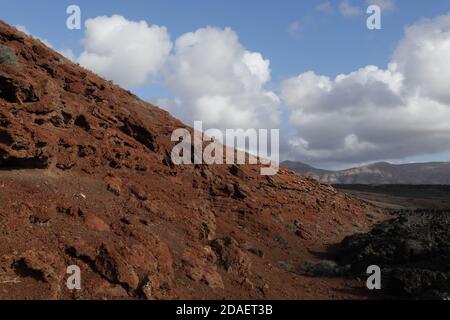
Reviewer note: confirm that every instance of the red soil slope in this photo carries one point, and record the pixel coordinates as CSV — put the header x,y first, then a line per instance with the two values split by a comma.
x,y
86,179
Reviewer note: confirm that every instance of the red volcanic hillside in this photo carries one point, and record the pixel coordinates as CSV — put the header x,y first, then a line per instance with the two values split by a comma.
x,y
86,179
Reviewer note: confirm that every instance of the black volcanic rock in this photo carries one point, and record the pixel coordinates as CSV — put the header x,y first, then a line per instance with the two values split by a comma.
x,y
413,251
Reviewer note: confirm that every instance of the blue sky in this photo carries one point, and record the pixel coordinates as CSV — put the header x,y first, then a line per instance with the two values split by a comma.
x,y
328,43
294,35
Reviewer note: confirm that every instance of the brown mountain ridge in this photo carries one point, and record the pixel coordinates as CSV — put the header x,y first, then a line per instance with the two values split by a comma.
x,y
380,173
86,179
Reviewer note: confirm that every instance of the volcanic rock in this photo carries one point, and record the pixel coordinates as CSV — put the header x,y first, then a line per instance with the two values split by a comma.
x,y
94,161
412,250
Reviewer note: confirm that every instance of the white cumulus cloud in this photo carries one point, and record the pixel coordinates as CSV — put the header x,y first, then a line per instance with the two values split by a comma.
x,y
124,51
216,80
374,113
423,55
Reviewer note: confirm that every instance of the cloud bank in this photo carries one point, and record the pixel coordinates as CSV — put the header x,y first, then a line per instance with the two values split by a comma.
x,y
212,76
373,113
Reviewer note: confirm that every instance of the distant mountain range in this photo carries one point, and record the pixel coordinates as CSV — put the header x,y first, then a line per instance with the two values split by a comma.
x,y
379,173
